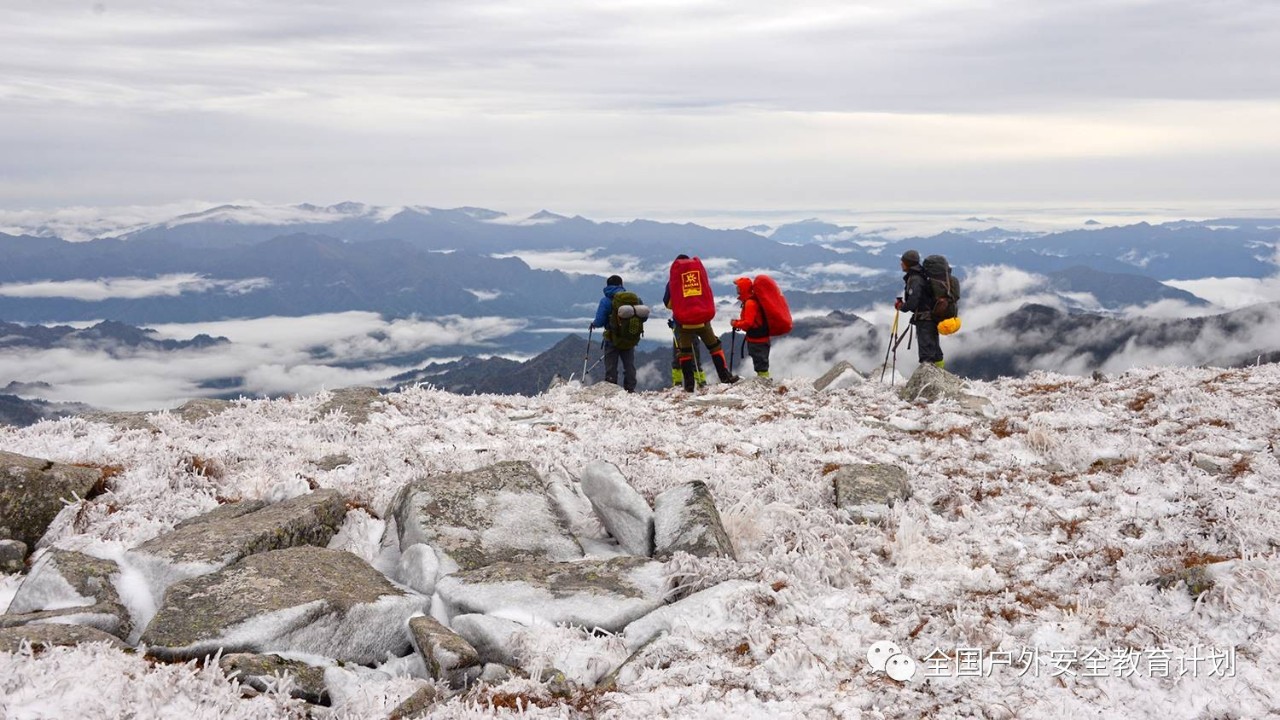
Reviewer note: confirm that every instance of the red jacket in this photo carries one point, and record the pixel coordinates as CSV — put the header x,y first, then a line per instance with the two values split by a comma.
x,y
752,319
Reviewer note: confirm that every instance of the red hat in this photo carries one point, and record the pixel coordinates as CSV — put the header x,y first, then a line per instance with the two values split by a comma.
x,y
744,286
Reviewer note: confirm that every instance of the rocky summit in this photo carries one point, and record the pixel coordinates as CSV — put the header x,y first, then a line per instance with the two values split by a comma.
x,y
588,553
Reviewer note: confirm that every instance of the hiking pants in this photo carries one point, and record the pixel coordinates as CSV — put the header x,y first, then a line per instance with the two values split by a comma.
x,y
628,357
927,342
685,335
759,352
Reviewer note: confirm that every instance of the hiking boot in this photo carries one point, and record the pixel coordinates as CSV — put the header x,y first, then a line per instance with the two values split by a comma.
x,y
700,377
687,374
939,363
764,374
722,368
677,377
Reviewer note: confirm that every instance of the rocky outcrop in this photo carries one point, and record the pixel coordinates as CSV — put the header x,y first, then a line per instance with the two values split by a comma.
x,y
622,510
33,491
686,520
868,491
304,599
491,554
605,594
232,532
500,513
66,586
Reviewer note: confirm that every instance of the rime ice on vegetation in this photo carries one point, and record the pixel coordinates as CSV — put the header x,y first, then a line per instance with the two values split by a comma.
x,y
1047,523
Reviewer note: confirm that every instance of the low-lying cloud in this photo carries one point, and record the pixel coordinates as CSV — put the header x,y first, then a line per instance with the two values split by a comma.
x,y
268,356
101,289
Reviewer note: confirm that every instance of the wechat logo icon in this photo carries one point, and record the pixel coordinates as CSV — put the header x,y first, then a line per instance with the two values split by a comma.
x,y
888,658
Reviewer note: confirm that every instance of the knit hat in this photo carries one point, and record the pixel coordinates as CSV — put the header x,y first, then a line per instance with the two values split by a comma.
x,y
614,280
911,257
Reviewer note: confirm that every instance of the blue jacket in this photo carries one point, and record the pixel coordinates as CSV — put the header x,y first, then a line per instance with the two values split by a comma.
x,y
606,305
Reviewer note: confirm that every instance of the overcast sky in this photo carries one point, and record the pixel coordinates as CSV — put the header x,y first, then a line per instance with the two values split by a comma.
x,y
641,107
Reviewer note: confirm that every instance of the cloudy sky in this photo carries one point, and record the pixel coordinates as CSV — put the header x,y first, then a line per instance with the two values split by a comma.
x,y
633,108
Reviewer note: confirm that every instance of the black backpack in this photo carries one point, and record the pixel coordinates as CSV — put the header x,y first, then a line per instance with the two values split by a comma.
x,y
944,287
626,320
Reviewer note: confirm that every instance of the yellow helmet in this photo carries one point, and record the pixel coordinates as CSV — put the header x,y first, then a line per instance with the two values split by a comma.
x,y
948,326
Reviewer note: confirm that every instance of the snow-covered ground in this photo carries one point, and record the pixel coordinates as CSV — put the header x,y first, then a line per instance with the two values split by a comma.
x,y
1034,530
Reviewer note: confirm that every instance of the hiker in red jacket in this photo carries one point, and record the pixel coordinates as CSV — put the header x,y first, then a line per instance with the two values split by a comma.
x,y
753,322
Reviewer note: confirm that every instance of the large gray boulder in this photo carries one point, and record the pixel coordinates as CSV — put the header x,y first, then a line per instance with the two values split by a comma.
x,y
623,511
685,519
66,586
500,513
303,599
52,635
235,531
34,491
605,594
868,491
447,655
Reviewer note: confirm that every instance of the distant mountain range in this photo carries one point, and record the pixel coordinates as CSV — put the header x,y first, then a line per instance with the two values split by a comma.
x,y
233,262
106,336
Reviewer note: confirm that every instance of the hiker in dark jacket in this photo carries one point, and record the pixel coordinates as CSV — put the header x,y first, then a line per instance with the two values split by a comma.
x,y
612,354
918,299
753,322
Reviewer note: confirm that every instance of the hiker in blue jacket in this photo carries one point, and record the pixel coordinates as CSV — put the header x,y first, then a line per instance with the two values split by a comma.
x,y
612,353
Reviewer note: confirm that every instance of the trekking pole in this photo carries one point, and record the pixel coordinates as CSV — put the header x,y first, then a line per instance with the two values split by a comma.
x,y
893,333
587,355
733,345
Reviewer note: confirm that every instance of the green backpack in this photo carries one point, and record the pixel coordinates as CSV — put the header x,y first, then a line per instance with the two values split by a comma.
x,y
626,320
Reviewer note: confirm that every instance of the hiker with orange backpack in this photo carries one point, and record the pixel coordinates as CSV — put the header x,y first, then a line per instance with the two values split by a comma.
x,y
753,322
692,307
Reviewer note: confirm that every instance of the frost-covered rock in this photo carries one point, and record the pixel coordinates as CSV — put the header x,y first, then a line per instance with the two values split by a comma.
x,y
229,533
868,491
733,403
303,599
497,513
53,634
492,637
447,655
685,519
605,594
13,556
623,511
66,586
201,408
707,611
355,402
418,705
33,491
841,375
419,568
264,673
930,383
